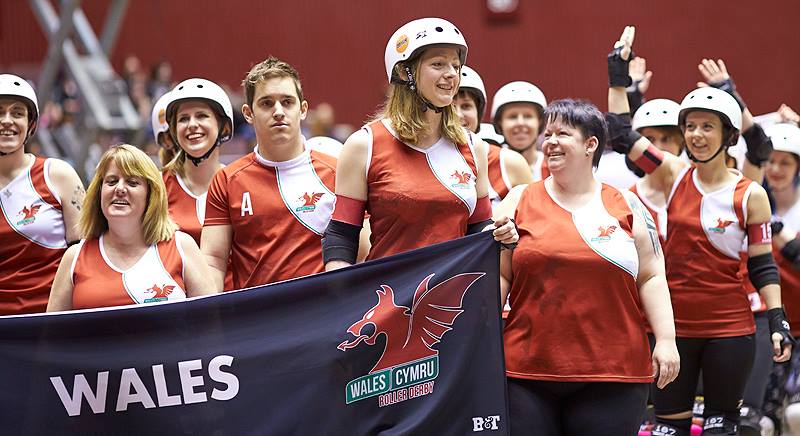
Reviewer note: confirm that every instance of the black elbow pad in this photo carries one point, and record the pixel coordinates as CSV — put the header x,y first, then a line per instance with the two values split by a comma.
x,y
763,270
340,242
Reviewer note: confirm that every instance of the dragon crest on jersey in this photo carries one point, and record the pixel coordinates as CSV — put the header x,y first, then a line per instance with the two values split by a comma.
x,y
408,365
721,225
160,293
462,179
309,201
28,214
604,233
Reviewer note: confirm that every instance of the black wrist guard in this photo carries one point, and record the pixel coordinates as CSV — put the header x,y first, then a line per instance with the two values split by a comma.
x,y
340,242
778,324
632,166
618,69
759,146
728,86
791,252
635,97
621,136
776,226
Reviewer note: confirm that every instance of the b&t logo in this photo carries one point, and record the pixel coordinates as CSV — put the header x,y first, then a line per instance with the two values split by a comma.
x,y
490,422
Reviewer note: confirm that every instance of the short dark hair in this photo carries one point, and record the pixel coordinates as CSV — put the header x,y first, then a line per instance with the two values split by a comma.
x,y
582,115
270,68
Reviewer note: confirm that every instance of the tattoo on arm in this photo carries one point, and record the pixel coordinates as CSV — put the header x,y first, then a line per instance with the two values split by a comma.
x,y
652,231
77,197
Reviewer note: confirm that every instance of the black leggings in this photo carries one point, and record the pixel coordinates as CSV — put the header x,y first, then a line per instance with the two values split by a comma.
x,y
762,365
564,408
725,363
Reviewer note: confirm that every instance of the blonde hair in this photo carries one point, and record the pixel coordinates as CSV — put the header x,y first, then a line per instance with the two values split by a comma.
x,y
404,108
165,155
270,68
156,223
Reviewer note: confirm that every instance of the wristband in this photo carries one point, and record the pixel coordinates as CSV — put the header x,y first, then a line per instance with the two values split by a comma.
x,y
621,136
759,146
618,69
728,86
779,324
759,233
650,160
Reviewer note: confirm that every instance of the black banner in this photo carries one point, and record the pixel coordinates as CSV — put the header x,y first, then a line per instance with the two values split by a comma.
x,y
409,344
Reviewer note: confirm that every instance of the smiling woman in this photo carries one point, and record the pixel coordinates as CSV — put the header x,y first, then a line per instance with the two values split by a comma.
x,y
132,253
421,175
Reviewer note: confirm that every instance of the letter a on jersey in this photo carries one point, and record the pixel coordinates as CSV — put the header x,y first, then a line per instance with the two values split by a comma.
x,y
247,204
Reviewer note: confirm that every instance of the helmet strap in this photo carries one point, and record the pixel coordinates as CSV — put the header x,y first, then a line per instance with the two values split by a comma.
x,y
694,159
412,85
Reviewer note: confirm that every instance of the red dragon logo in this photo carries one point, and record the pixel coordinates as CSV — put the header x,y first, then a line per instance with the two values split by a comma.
x,y
606,232
29,213
161,293
462,177
721,225
411,332
311,199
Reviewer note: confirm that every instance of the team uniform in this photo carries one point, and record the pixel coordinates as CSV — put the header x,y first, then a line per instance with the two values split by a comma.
x,y
499,182
597,361
156,276
713,317
188,211
278,212
34,240
431,191
659,213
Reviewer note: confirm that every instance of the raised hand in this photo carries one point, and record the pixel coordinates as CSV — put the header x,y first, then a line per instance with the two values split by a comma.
x,y
788,115
637,69
713,72
618,59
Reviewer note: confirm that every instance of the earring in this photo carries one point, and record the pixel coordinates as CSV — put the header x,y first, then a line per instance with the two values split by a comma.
x,y
586,152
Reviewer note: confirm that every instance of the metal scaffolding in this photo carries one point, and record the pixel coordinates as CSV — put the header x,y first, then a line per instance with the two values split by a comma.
x,y
75,49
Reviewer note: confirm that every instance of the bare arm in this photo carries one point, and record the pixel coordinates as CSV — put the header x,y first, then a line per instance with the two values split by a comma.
x,y
351,177
517,168
215,246
758,211
482,164
70,191
654,293
61,291
195,268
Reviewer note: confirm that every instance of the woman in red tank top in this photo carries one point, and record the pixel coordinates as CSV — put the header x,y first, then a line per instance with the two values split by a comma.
x,y
586,273
40,202
710,210
124,219
420,175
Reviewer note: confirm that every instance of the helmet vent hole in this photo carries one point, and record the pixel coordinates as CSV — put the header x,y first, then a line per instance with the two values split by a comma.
x,y
709,97
199,86
457,32
647,113
17,83
439,29
180,88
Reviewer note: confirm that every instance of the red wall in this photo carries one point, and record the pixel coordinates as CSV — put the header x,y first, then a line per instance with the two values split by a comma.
x,y
338,45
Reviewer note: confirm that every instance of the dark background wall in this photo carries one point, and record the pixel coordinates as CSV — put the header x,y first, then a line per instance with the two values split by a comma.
x,y
338,45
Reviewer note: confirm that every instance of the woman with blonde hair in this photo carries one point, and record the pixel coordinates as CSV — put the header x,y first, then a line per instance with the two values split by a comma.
x,y
414,167
131,253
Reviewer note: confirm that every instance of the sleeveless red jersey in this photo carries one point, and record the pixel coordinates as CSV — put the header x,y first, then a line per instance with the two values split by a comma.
x,y
417,197
705,235
156,276
659,214
33,240
499,183
188,211
278,212
575,309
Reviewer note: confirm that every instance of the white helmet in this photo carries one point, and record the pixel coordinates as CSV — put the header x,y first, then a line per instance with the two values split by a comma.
x,y
413,36
471,80
656,113
326,145
785,137
714,100
15,86
488,133
207,90
517,92
158,118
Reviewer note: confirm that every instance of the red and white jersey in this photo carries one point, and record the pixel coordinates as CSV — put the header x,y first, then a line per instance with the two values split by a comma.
x,y
499,182
417,197
575,309
156,276
33,240
539,168
186,209
659,213
790,277
278,212
705,236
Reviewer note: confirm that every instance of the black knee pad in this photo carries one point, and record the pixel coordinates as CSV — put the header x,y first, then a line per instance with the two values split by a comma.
x,y
749,421
672,427
721,424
